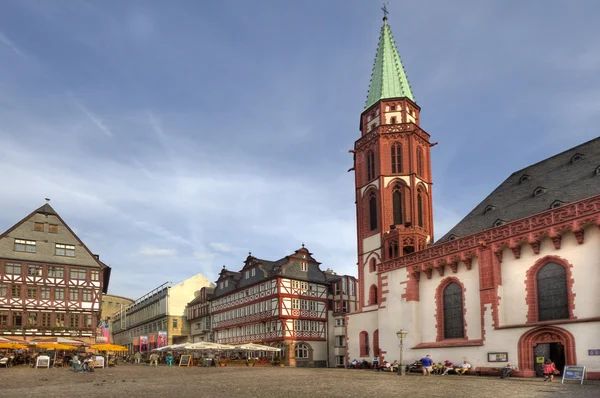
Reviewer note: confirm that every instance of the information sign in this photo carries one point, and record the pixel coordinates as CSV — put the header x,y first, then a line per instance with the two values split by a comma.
x,y
43,361
185,360
99,361
573,373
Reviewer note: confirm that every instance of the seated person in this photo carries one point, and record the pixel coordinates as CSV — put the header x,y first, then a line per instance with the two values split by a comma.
x,y
448,366
507,370
92,364
384,366
414,365
353,364
394,367
463,368
439,368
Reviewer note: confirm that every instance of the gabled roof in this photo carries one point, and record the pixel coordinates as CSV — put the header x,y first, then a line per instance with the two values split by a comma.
x,y
559,179
388,79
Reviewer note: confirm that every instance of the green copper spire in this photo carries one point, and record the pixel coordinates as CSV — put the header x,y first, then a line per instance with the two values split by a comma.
x,y
388,79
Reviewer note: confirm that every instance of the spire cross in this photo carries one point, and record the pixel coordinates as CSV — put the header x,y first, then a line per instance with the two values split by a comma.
x,y
384,9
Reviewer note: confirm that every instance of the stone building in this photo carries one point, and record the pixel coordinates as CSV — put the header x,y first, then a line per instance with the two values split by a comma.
x,y
199,317
158,318
51,284
516,280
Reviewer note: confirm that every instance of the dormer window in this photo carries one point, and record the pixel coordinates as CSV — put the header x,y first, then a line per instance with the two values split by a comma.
x,y
597,171
489,209
539,191
499,222
524,177
452,237
226,282
247,274
304,267
576,158
556,203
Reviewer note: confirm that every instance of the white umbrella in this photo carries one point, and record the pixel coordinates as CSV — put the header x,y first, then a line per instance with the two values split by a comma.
x,y
172,347
256,347
206,345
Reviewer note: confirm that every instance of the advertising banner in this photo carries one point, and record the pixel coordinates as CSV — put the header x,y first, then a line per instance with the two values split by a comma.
x,y
143,343
162,339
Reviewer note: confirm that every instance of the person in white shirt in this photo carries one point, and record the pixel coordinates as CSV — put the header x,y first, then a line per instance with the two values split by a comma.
x,y
462,369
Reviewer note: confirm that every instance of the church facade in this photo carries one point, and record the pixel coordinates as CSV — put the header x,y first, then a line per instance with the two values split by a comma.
x,y
515,281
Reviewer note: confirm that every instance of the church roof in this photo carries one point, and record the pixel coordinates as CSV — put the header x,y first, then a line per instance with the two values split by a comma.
x,y
388,79
569,176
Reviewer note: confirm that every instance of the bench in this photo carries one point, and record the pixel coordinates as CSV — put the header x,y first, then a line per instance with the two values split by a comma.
x,y
488,371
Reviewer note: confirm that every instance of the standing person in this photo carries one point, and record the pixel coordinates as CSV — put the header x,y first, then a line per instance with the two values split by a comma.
x,y
137,357
427,363
375,363
154,359
170,359
75,363
549,370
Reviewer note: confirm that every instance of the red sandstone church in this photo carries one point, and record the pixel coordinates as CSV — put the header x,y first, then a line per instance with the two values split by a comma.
x,y
516,280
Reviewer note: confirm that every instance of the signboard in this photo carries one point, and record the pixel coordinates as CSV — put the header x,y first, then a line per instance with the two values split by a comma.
x,y
539,359
99,361
573,373
43,361
185,360
162,339
497,356
143,343
593,352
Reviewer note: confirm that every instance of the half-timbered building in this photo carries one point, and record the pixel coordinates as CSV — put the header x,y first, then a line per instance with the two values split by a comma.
x,y
51,284
516,280
283,303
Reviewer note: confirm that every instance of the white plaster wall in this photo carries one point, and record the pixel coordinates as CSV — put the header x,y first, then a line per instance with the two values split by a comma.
x,y
183,292
364,321
388,180
585,259
374,183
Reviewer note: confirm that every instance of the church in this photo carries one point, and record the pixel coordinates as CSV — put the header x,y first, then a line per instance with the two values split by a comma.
x,y
515,281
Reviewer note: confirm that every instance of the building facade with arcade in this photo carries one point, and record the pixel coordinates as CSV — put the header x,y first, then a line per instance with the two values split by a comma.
x,y
284,303
51,284
516,280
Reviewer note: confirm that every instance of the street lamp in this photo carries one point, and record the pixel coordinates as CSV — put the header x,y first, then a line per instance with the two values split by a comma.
x,y
401,335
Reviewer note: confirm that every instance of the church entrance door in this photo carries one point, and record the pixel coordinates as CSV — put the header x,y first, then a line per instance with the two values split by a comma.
x,y
552,351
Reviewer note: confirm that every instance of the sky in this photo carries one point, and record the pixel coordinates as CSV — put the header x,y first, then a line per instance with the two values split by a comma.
x,y
175,137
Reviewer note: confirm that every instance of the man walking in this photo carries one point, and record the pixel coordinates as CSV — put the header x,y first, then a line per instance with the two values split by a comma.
x,y
137,357
427,363
154,359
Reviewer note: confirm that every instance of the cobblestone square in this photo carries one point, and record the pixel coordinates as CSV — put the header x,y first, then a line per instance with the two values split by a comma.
x,y
140,380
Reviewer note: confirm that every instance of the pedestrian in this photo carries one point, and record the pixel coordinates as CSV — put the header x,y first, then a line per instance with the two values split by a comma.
x,y
550,370
75,363
138,357
154,359
375,363
427,363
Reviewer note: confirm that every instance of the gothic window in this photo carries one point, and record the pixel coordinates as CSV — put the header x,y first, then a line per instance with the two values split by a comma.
x,y
420,208
364,344
453,312
553,302
370,165
373,211
373,266
397,204
373,295
419,162
397,158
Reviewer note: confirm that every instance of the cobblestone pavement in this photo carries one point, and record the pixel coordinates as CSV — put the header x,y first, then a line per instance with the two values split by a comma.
x,y
141,380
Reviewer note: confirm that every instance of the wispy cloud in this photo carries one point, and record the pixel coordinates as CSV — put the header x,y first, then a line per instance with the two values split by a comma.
x,y
93,118
156,252
12,46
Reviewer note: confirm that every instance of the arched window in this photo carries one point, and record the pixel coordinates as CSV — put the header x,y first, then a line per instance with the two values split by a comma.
x,y
553,301
373,211
453,312
420,208
397,158
397,204
363,341
301,350
419,162
370,165
373,295
373,266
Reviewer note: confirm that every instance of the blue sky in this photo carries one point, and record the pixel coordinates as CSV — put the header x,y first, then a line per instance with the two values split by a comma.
x,y
174,137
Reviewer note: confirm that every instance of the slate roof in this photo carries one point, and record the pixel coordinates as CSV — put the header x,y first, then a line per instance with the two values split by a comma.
x,y
46,209
388,79
569,176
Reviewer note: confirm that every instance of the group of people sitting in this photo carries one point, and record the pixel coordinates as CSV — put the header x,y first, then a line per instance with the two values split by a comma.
x,y
83,362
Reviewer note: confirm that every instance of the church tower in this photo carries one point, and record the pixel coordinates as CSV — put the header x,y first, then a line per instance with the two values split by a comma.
x,y
392,171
